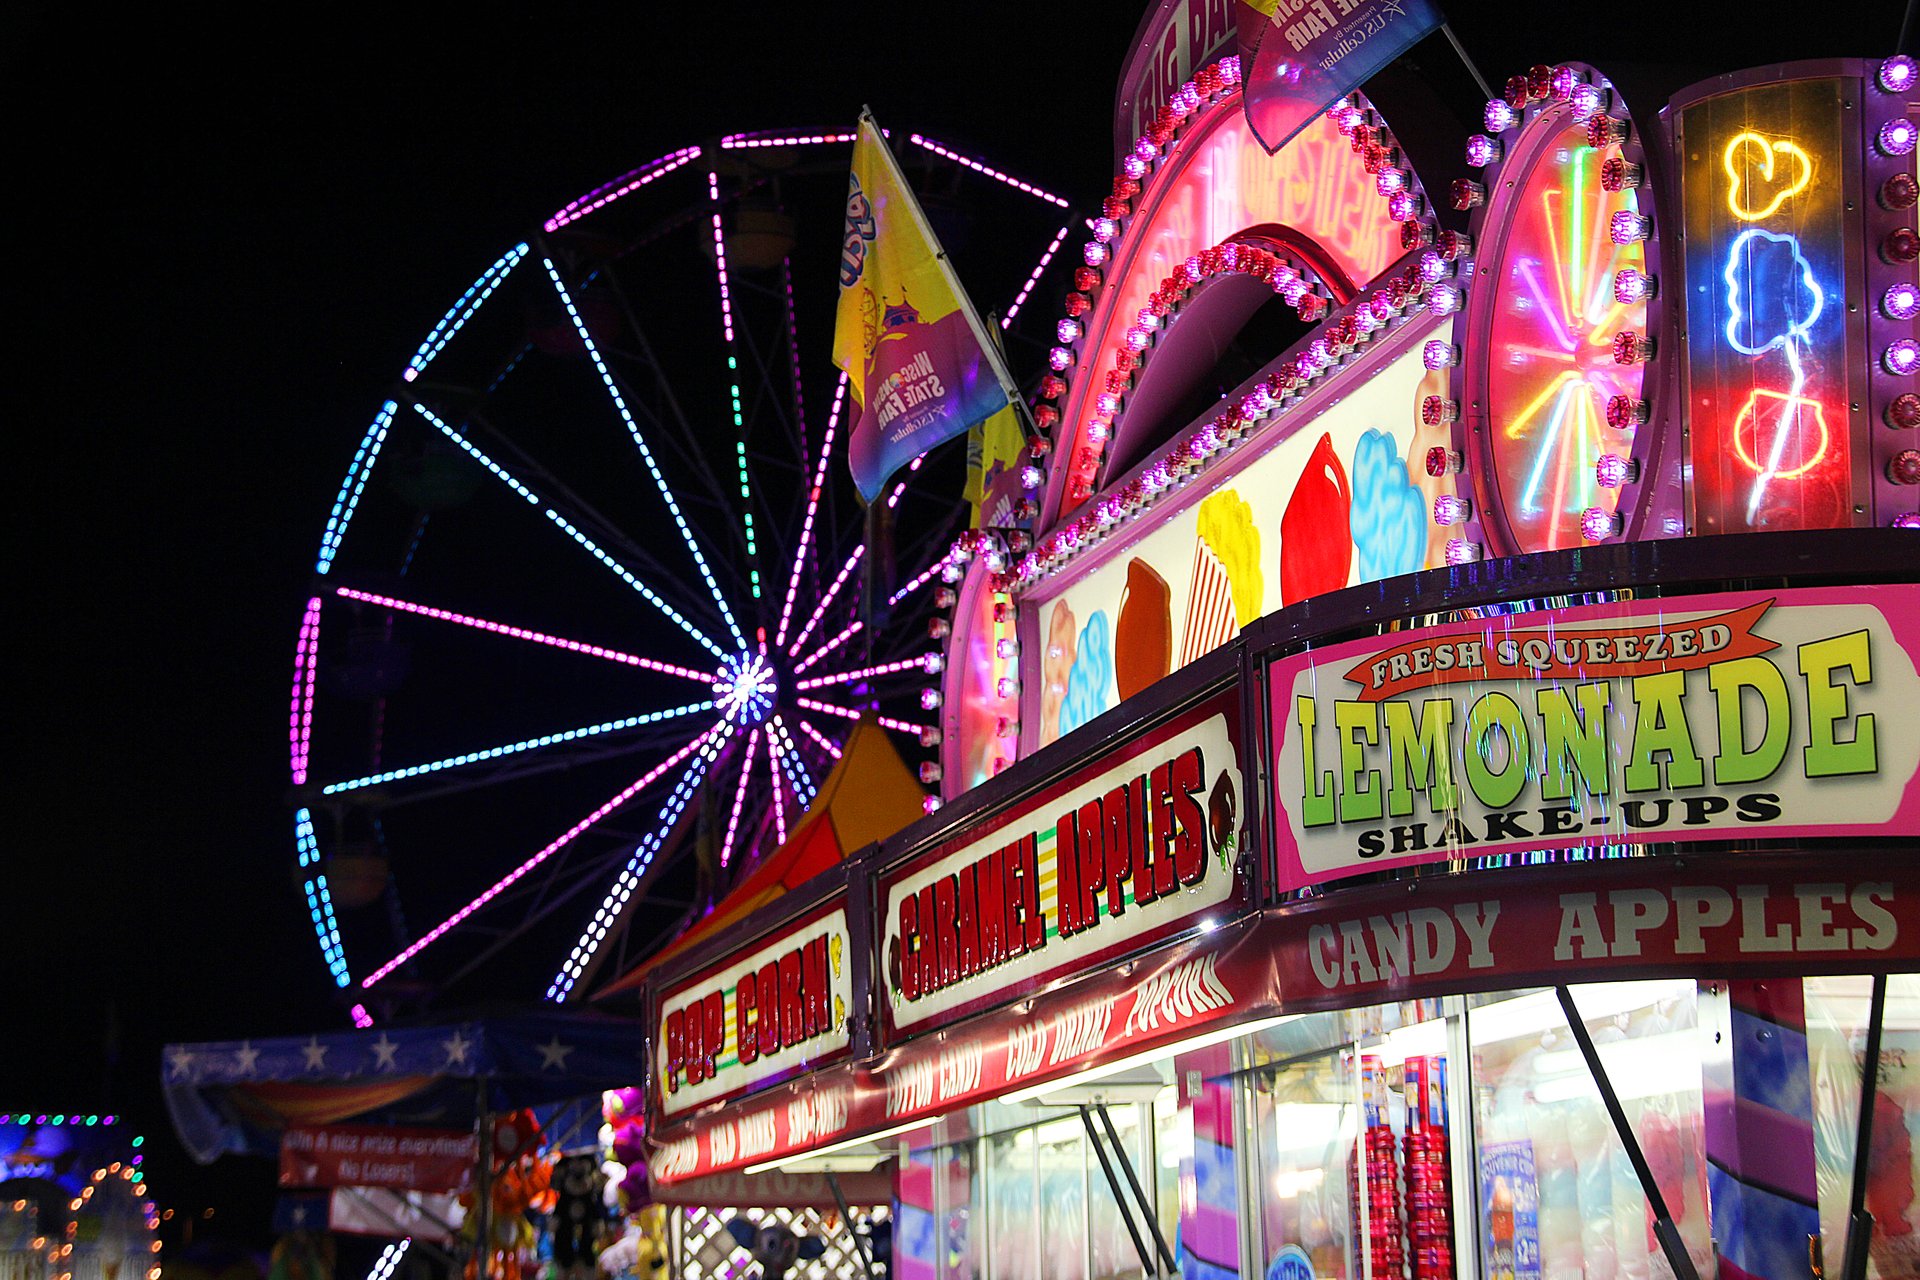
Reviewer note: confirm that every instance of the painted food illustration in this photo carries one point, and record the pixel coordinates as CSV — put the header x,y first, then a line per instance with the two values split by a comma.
x,y
1389,519
1054,668
1316,550
1425,437
1143,637
1090,681
1227,588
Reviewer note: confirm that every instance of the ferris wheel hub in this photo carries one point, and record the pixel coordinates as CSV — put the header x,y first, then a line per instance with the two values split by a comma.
x,y
745,687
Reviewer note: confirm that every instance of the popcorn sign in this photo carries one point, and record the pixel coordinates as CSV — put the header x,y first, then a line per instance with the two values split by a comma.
x,y
1692,718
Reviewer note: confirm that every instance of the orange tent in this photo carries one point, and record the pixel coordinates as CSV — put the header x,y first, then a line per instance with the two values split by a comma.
x,y
842,819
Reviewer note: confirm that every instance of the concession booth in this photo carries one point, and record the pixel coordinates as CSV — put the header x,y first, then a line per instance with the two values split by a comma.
x,y
1446,808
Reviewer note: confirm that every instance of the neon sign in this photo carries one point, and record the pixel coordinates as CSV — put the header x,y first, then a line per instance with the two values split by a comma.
x,y
1737,160
1766,260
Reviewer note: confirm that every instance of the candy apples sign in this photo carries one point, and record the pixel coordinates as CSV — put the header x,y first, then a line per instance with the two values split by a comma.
x,y
1738,716
1125,850
781,1006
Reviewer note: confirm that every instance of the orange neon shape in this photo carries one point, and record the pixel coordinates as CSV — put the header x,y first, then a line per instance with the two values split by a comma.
x,y
1792,415
1739,158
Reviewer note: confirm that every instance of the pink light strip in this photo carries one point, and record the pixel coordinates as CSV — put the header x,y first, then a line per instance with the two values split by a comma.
x,y
572,833
521,633
720,256
804,790
739,797
813,507
853,629
793,350
773,768
624,885
1020,299
625,184
306,665
991,172
361,1018
916,583
826,599
749,141
848,677
848,713
826,744
893,499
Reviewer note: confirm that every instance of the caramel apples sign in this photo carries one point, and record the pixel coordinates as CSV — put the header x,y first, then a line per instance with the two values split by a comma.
x,y
1126,849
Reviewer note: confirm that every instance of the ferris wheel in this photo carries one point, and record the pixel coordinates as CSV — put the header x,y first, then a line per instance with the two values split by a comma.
x,y
596,606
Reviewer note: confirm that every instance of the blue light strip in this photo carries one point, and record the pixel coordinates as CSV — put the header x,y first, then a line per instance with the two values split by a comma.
x,y
319,900
626,576
642,859
353,486
646,454
513,748
462,311
474,452
794,767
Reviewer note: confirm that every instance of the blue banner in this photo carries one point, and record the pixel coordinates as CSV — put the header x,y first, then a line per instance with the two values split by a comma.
x,y
1313,52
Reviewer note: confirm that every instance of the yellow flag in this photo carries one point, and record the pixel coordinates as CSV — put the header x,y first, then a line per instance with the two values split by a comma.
x,y
916,357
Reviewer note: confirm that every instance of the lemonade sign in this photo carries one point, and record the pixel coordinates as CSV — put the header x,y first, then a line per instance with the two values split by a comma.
x,y
1736,716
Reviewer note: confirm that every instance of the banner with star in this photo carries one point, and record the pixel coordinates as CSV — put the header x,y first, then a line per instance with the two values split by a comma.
x,y
919,363
238,1095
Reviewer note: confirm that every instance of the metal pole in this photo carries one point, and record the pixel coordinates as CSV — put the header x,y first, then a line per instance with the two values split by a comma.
x,y
846,1216
1133,1180
1113,1184
1472,70
1663,1228
483,1189
1853,1264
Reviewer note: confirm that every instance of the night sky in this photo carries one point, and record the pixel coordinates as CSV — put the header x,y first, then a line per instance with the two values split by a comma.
x,y
233,233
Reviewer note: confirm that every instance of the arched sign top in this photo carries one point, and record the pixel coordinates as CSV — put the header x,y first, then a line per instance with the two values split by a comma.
x,y
1334,192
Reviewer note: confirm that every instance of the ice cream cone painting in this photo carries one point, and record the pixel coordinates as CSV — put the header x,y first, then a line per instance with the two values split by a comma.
x,y
1143,636
1062,648
1227,590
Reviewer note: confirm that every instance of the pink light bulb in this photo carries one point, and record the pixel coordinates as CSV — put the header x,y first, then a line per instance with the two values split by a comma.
x,y
1897,74
1632,286
1612,471
1597,524
1403,206
1902,358
1462,551
1498,116
1901,301
1482,150
1439,355
1896,137
1451,509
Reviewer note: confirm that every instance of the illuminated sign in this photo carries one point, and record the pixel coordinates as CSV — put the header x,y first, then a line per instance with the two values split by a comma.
x,y
1722,717
1764,176
780,1006
1115,855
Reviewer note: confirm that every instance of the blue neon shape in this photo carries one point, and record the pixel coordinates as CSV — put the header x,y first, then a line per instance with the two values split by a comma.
x,y
1762,298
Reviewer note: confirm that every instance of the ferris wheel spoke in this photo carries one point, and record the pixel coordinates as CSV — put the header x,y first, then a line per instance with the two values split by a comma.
x,y
319,898
1033,279
521,633
462,311
851,630
614,905
848,713
679,434
864,673
352,487
825,743
791,764
740,796
646,454
981,167
826,600
811,514
534,744
566,838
